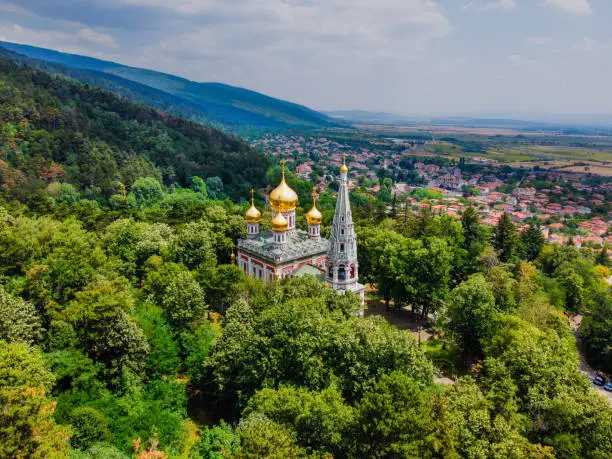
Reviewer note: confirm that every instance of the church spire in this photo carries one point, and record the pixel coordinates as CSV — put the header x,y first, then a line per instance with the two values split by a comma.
x,y
342,266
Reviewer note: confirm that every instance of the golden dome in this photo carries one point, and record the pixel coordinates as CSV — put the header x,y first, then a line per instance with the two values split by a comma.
x,y
314,216
279,222
283,196
253,215
343,168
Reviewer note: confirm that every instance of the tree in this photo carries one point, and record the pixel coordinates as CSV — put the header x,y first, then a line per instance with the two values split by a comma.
x,y
596,333
532,240
146,192
471,314
478,431
218,442
214,188
300,342
602,258
573,283
27,428
89,427
100,316
321,419
261,437
473,233
395,419
19,320
505,241
183,301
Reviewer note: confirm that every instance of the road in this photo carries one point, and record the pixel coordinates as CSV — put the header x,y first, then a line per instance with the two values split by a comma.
x,y
584,366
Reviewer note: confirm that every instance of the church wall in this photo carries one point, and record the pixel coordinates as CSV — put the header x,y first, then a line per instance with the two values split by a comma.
x,y
254,267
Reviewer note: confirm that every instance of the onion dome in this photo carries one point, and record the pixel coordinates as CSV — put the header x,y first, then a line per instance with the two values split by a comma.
x,y
279,222
343,168
253,215
314,216
283,196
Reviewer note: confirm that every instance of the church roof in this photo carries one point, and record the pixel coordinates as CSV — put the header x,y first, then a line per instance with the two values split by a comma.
x,y
298,246
310,270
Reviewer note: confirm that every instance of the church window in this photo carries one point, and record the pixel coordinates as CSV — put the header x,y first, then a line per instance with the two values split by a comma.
x,y
342,231
341,247
341,273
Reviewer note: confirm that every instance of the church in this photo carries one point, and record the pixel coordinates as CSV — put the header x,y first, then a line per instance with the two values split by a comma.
x,y
287,252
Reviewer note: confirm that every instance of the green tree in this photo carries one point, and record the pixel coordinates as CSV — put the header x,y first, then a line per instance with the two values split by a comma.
x,y
505,241
214,188
146,192
471,314
474,235
322,420
89,427
218,442
395,419
27,428
596,333
100,315
183,301
261,437
532,240
603,258
19,320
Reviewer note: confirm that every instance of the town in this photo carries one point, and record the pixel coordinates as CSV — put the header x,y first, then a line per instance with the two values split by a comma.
x,y
570,207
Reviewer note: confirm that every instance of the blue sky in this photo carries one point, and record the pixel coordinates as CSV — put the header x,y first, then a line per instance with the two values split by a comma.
x,y
401,56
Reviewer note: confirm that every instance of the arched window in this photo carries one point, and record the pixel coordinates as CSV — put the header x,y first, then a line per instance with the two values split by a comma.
x,y
341,273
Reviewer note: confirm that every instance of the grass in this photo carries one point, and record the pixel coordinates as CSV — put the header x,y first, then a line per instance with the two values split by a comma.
x,y
547,153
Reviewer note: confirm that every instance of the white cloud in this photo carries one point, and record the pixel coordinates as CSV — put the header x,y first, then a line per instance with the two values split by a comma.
x,y
540,41
80,41
92,36
572,6
467,6
587,44
501,5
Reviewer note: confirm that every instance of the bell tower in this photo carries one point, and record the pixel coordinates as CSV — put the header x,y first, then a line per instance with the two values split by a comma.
x,y
342,271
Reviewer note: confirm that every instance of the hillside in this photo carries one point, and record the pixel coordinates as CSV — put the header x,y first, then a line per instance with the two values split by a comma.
x,y
236,108
54,128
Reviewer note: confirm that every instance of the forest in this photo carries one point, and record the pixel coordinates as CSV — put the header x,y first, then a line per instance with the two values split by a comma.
x,y
56,129
126,332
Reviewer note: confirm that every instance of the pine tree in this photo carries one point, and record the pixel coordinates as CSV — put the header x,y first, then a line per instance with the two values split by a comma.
x,y
532,240
394,206
473,232
505,238
602,258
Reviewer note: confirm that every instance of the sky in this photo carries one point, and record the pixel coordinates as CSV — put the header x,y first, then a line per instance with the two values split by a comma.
x,y
439,57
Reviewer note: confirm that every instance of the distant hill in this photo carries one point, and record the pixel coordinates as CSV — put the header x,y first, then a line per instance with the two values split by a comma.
x,y
365,117
54,128
561,124
219,104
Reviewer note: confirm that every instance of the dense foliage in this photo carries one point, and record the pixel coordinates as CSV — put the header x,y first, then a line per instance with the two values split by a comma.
x,y
126,332
54,129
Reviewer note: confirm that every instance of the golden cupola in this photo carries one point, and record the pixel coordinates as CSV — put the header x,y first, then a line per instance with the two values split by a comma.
x,y
279,222
253,215
314,215
343,168
283,197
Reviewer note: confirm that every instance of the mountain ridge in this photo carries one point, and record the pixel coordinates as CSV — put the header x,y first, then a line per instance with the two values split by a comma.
x,y
233,107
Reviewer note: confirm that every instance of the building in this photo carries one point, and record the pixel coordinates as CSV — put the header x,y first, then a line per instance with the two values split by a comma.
x,y
287,252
